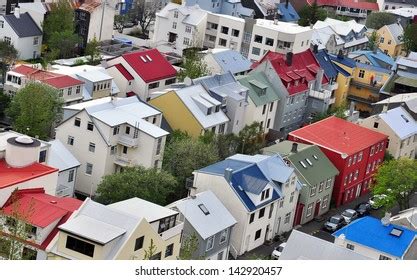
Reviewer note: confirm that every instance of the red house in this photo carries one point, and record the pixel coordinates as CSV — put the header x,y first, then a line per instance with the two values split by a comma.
x,y
354,150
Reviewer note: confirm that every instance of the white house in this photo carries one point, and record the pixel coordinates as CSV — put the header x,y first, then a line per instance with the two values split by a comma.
x,y
107,134
259,191
23,33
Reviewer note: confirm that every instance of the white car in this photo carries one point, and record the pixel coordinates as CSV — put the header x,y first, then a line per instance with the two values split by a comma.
x,y
278,251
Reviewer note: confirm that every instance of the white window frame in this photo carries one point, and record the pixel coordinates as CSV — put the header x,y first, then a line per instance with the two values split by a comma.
x,y
224,234
210,241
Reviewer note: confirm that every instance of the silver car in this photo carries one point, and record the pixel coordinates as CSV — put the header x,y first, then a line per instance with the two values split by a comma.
x,y
349,215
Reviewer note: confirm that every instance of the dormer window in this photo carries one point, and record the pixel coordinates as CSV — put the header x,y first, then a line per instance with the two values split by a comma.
x,y
208,111
265,194
217,108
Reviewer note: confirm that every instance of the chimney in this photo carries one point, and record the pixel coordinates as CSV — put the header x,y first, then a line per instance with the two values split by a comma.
x,y
294,148
340,54
316,48
286,3
228,172
17,12
319,79
289,58
384,108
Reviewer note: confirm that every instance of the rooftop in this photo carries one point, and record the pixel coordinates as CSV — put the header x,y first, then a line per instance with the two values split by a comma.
x,y
261,91
378,59
60,157
400,121
193,15
287,12
282,26
347,3
24,25
230,60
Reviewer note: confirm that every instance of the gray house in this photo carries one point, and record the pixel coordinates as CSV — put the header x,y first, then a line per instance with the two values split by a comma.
x,y
206,218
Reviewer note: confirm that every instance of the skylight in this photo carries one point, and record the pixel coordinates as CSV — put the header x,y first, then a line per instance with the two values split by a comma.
x,y
303,164
315,157
404,118
148,57
204,209
143,59
309,162
396,232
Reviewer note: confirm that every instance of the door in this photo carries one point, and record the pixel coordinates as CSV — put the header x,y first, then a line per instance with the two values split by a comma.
x,y
317,209
266,233
278,225
358,190
172,37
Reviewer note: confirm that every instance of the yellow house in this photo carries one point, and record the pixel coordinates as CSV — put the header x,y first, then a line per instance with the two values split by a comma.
x,y
132,229
193,110
345,67
390,39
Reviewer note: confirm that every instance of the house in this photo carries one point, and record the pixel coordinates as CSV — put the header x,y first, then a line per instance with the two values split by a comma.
x,y
41,213
70,89
303,246
407,100
232,95
371,73
401,129
406,218
390,39
121,231
222,61
354,150
206,218
404,15
193,110
346,68
108,134
266,9
314,171
259,191
278,36
141,72
378,239
263,100
398,4
23,33
225,7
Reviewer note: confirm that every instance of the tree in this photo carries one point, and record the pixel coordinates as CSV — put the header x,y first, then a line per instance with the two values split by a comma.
x,y
397,180
193,66
252,139
59,29
226,144
410,38
373,41
35,110
144,12
120,22
92,51
4,103
8,55
309,15
379,19
150,251
189,246
148,184
338,111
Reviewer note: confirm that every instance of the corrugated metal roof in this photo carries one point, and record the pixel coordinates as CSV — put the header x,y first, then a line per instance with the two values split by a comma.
x,y
60,157
24,26
233,61
400,121
259,99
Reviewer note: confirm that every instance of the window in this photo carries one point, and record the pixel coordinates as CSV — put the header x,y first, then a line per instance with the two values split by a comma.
x,y
35,41
188,29
235,33
372,150
169,250
90,126
78,89
113,150
61,93
281,203
360,156
225,30
8,40
321,186
258,39
186,41
287,45
154,85
325,202
258,234
252,217
309,209
175,14
89,168
271,211
265,194
71,176
174,25
345,181
80,246
222,42
261,213
116,130
355,177
355,157
158,146
381,40
384,258
166,223
361,74
264,109
139,243
287,218
124,150
269,41
350,246
70,140
92,147
223,236
350,161
329,183
1,24
42,156
170,81
256,51
268,123
313,190
210,243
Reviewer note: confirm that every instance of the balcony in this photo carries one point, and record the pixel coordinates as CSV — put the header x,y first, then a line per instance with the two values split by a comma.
x,y
372,86
369,101
350,13
333,86
64,191
123,160
172,232
322,95
128,141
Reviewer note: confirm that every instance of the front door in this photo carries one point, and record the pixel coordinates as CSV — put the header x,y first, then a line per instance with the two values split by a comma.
x,y
266,232
317,210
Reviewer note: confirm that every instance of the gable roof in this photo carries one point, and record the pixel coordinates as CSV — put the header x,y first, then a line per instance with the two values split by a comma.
x,y
370,232
338,135
230,60
123,71
400,121
60,157
376,59
24,26
396,31
255,82
218,219
326,64
193,15
287,12
344,60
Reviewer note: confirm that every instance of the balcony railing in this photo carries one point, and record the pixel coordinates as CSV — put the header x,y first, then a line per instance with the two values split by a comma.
x,y
333,86
63,191
128,141
172,232
123,160
322,95
372,86
351,14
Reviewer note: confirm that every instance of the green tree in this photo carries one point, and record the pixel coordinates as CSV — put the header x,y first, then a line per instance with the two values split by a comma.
x,y
309,15
397,180
150,251
374,41
226,144
379,19
148,184
410,38
59,29
189,246
120,22
251,139
35,110
193,66
8,55
4,103
338,111
92,51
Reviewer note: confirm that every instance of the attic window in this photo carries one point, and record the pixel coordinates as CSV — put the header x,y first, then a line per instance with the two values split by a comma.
x,y
315,157
396,232
309,162
303,164
204,209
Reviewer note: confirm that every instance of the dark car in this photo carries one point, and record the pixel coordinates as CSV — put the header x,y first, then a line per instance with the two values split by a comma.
x,y
363,209
334,223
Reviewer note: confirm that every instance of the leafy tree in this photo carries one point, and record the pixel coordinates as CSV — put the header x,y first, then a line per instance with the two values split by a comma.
x,y
92,51
120,22
189,246
4,103
144,12
150,251
8,55
379,19
226,144
338,111
252,139
35,110
48,57
397,179
193,65
410,38
309,15
373,41
148,184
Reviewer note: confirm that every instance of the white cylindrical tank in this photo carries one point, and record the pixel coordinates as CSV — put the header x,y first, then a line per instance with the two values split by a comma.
x,y
22,151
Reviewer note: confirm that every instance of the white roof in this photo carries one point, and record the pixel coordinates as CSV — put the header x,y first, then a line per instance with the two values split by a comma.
x,y
196,93
356,42
340,27
122,110
193,14
218,219
281,26
400,121
302,246
60,157
407,218
95,75
404,12
322,35
396,31
399,98
143,209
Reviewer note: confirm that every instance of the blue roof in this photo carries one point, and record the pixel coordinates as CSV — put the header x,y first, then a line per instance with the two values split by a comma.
x,y
326,64
233,61
287,13
344,60
342,71
373,68
370,232
375,58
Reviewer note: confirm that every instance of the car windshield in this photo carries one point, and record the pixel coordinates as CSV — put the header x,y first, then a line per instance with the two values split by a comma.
x,y
334,220
347,214
362,207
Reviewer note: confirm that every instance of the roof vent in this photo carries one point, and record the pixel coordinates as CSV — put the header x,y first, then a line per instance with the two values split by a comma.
x,y
309,162
53,202
25,140
386,219
303,164
315,157
405,118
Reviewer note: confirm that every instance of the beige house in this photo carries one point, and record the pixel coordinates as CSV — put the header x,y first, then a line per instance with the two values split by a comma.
x,y
120,231
401,129
390,39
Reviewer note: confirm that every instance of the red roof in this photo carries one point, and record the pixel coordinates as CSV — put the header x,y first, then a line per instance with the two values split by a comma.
x,y
361,4
303,69
10,176
338,135
62,82
154,69
24,69
124,71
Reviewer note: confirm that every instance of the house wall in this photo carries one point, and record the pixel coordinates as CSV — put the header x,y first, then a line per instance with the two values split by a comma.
x,y
120,81
254,114
389,45
66,188
363,250
232,42
341,92
96,23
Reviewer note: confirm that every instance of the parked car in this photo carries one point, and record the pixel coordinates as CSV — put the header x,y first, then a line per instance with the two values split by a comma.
x,y
374,201
349,215
278,251
334,223
363,209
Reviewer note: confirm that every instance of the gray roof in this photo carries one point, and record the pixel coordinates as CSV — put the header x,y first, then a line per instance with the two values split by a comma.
x,y
218,219
302,246
400,121
230,60
223,85
60,157
396,31
24,26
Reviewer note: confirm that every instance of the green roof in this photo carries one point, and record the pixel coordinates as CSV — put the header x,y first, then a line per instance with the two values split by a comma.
x,y
261,91
321,167
406,81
